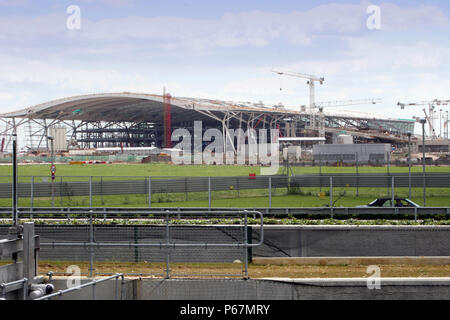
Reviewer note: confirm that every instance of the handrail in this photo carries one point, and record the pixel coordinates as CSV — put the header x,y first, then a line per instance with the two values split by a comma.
x,y
22,282
168,244
130,212
91,283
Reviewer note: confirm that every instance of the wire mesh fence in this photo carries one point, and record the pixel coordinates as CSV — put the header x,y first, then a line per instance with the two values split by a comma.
x,y
167,247
312,190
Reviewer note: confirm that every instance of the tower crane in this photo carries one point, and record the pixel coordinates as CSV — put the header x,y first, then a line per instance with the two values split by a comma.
x,y
431,110
341,103
311,83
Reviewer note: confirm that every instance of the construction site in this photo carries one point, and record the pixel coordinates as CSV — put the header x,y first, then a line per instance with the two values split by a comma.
x,y
114,123
227,245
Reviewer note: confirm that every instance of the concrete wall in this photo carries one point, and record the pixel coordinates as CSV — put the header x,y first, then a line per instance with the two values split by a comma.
x,y
293,289
347,241
268,289
279,241
106,290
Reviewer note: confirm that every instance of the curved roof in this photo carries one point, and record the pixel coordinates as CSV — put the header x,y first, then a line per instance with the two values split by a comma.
x,y
139,107
126,106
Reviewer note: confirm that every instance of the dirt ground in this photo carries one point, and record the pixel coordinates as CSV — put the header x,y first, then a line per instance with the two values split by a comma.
x,y
255,271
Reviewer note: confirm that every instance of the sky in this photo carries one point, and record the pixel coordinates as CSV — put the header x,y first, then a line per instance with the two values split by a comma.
x,y
226,50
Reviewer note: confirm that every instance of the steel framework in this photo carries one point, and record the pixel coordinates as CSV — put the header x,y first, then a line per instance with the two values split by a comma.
x,y
127,119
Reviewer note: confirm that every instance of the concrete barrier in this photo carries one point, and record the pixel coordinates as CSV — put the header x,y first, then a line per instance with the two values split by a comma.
x,y
333,261
353,241
294,289
266,289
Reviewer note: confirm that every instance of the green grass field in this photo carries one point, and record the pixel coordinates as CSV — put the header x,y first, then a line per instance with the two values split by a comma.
x,y
160,169
305,197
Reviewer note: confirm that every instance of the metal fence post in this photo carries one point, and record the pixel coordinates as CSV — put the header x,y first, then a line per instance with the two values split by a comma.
x,y
331,191
29,262
25,288
149,192
167,247
424,190
270,191
393,190
101,190
60,191
320,172
91,242
122,282
90,191
357,175
245,246
32,192
388,159
209,193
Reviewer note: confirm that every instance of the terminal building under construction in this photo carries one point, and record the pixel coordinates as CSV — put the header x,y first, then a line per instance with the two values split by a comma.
x,y
121,120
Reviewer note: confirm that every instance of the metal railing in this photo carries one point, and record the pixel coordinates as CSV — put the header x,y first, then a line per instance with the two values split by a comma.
x,y
92,283
144,213
14,286
167,243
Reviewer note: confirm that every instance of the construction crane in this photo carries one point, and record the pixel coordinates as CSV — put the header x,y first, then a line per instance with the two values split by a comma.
x,y
431,110
344,103
341,103
311,82
430,123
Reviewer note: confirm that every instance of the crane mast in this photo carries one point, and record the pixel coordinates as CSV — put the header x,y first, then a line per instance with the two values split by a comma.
x,y
430,117
311,83
312,79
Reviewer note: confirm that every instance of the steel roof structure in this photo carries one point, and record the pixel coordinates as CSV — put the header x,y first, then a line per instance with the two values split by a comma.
x,y
90,117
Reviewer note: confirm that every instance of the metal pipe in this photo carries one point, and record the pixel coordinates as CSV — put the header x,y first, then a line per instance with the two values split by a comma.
x,y
81,286
246,246
23,282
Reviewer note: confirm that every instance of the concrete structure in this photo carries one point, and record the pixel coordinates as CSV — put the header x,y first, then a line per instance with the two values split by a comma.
x,y
59,134
279,241
344,139
353,241
437,145
352,153
292,153
266,289
355,261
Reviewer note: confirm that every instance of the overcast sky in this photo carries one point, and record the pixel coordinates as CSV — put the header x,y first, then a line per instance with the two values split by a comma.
x,y
226,50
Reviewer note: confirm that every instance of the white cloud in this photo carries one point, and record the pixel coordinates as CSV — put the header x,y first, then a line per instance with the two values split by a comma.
x,y
254,28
